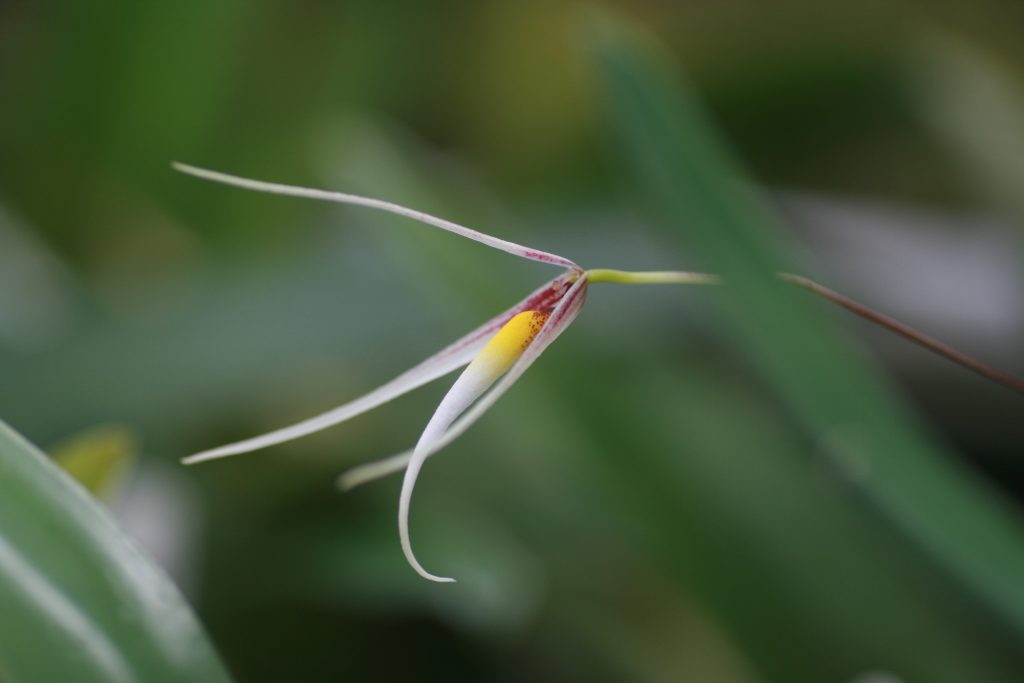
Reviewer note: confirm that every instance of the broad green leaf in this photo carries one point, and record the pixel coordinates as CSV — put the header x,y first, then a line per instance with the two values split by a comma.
x,y
706,206
78,601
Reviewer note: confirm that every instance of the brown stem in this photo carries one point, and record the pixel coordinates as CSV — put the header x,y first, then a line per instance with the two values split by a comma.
x,y
907,332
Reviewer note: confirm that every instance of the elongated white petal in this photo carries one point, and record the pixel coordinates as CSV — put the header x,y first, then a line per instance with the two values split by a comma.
x,y
450,358
506,356
425,372
344,198
371,471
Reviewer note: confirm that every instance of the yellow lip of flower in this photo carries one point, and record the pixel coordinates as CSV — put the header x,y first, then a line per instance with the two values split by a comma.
x,y
509,343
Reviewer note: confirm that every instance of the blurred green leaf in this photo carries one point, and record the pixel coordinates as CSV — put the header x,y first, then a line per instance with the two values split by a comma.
x,y
849,412
99,459
79,601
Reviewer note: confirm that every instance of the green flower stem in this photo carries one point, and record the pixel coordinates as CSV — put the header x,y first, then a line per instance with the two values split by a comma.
x,y
665,277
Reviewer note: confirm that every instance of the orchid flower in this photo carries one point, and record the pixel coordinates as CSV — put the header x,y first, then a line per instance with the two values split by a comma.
x,y
495,355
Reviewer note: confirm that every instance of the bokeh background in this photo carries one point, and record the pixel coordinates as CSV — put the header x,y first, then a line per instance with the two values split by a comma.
x,y
642,506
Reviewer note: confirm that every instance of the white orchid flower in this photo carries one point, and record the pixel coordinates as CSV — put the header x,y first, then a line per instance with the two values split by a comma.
x,y
496,354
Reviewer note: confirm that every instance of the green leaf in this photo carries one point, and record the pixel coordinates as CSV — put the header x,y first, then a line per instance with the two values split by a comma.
x,y
78,601
854,418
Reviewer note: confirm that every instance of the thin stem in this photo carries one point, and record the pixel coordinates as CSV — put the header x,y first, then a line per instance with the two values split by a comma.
x,y
907,332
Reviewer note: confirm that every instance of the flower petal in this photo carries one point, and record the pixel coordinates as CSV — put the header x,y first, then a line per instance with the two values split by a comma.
x,y
447,360
344,198
371,471
507,356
